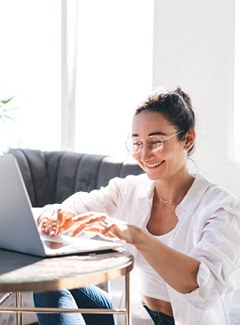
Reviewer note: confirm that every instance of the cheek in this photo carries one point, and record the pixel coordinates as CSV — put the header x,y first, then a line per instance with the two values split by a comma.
x,y
180,158
138,160
176,156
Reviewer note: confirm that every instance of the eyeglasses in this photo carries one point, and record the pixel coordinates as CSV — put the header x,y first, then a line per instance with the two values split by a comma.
x,y
154,143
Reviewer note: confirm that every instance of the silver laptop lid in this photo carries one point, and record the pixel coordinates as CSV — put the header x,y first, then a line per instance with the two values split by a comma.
x,y
18,229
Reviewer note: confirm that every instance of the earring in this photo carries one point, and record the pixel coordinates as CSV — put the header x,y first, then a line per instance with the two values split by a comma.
x,y
193,167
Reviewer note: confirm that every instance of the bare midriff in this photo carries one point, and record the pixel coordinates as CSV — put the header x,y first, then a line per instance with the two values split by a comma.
x,y
158,305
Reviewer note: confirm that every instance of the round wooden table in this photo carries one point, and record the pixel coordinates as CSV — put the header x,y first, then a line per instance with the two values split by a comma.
x,y
22,272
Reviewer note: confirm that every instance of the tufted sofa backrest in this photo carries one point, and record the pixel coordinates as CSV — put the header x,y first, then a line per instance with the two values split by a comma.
x,y
52,176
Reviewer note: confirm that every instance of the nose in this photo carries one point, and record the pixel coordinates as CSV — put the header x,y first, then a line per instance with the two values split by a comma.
x,y
145,152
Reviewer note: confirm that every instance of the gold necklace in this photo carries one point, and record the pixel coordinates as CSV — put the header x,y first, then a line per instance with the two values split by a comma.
x,y
164,201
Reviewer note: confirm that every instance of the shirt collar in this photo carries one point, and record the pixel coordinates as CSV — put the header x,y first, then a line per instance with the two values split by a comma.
x,y
191,199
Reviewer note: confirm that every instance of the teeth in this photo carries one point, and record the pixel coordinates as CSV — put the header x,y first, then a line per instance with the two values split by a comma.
x,y
153,165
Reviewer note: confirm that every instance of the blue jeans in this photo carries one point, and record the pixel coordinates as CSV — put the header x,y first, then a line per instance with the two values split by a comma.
x,y
160,318
87,297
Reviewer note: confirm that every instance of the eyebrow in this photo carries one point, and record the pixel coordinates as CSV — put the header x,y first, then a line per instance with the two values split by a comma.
x,y
150,134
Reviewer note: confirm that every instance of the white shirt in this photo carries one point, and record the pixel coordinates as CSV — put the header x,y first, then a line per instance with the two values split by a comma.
x,y
151,284
208,230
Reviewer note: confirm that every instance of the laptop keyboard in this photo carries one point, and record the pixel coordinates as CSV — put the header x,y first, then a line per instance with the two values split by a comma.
x,y
53,244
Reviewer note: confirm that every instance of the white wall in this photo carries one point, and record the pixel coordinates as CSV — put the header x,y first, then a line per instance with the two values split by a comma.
x,y
194,48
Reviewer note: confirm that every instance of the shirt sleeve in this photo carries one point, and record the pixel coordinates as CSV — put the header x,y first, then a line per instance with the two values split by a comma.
x,y
105,200
219,254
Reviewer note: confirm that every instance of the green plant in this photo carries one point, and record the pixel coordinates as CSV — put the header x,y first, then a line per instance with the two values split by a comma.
x,y
6,110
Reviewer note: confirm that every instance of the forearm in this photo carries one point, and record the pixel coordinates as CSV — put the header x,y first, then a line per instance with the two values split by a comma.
x,y
177,269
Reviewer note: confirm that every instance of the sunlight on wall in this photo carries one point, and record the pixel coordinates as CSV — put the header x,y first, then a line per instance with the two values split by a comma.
x,y
114,71
30,69
115,43
237,83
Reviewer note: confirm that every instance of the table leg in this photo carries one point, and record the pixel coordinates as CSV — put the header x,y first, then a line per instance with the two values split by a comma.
x,y
18,305
5,297
128,300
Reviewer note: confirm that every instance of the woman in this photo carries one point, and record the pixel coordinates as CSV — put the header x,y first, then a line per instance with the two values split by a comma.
x,y
183,230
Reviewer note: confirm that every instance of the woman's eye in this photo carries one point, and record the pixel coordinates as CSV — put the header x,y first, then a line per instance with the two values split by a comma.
x,y
137,144
156,143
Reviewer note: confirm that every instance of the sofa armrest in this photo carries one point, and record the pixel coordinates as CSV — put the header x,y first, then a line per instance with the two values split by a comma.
x,y
35,175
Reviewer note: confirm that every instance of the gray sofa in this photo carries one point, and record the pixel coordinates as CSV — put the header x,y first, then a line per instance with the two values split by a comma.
x,y
52,176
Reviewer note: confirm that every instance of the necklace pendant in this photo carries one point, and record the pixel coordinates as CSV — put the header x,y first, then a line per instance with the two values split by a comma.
x,y
165,201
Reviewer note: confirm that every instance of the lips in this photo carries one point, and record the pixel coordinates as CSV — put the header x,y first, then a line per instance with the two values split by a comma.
x,y
154,165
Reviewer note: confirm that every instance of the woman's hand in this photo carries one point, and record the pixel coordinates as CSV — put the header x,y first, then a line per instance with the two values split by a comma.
x,y
55,221
107,227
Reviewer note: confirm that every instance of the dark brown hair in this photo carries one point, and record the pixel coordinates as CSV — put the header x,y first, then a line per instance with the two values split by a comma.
x,y
175,106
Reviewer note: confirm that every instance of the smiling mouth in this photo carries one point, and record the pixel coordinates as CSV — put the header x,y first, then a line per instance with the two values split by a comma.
x,y
154,165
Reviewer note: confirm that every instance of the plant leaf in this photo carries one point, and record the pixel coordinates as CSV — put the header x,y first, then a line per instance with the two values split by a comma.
x,y
5,101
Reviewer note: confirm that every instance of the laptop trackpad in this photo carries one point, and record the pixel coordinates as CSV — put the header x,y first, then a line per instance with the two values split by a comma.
x,y
56,242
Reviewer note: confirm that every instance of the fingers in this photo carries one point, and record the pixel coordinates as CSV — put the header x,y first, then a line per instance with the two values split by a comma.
x,y
44,226
55,221
98,223
117,230
49,225
90,216
97,230
58,220
91,221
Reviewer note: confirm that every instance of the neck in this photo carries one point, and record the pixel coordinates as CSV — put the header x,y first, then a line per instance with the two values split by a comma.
x,y
165,201
172,192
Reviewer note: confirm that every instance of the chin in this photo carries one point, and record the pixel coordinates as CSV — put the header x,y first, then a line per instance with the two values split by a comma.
x,y
152,176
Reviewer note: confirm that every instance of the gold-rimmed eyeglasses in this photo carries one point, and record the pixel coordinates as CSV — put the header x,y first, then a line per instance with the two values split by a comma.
x,y
154,143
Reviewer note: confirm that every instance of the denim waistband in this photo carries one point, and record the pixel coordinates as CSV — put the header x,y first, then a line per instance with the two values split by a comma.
x,y
160,318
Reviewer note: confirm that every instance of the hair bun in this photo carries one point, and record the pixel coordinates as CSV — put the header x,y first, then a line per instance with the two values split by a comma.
x,y
185,96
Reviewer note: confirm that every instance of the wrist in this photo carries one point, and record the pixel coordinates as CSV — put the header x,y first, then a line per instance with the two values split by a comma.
x,y
140,238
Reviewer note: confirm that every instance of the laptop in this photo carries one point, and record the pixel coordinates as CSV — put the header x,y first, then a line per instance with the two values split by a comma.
x,y
18,228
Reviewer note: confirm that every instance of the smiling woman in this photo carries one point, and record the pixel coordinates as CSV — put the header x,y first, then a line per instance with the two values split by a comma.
x,y
175,223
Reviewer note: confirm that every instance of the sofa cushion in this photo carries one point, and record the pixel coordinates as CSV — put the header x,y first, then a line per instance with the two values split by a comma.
x,y
52,176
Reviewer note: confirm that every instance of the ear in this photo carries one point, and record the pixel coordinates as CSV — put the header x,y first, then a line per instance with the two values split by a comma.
x,y
189,139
